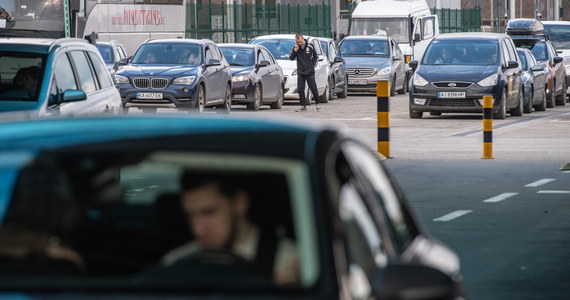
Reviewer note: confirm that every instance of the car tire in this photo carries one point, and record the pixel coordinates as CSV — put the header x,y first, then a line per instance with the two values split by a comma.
x,y
501,114
324,98
226,107
551,100
344,92
561,99
279,101
200,100
393,87
527,109
415,114
256,99
404,87
542,105
331,88
518,110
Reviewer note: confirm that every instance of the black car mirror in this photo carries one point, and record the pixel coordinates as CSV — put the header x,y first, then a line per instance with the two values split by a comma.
x,y
537,68
512,64
339,59
413,64
416,37
123,61
262,64
557,60
73,96
213,62
410,281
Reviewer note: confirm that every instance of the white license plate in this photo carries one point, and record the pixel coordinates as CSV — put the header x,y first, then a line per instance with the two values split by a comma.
x,y
149,95
2,23
358,81
451,95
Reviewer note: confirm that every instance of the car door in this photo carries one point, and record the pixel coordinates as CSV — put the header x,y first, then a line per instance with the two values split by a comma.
x,y
213,76
96,102
397,64
559,69
511,76
425,29
539,78
272,78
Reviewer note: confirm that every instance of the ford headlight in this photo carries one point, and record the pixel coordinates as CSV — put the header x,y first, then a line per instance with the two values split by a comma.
x,y
489,81
186,80
419,81
240,78
385,71
121,79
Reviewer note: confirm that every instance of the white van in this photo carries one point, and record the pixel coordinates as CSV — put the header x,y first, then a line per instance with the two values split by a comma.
x,y
408,22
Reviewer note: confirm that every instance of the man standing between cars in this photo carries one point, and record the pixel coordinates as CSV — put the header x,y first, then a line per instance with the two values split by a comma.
x,y
306,61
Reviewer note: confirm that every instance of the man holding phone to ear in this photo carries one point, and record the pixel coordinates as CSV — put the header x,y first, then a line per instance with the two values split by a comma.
x,y
306,61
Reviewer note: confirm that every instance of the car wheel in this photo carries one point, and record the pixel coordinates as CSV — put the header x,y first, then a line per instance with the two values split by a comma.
x,y
200,100
551,101
561,99
149,110
542,105
404,87
256,99
518,111
125,110
325,96
331,88
501,114
393,87
226,107
344,92
279,102
415,114
527,109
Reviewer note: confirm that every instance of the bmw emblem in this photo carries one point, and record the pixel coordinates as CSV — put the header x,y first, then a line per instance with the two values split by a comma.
x,y
451,84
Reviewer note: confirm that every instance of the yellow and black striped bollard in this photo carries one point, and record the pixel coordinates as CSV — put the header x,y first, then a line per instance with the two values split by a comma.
x,y
383,115
487,127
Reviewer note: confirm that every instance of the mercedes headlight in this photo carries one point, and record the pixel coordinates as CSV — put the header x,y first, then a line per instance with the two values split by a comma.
x,y
489,81
121,79
240,78
385,71
419,81
186,80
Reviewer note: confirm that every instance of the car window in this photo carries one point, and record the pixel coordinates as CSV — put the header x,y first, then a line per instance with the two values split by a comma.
x,y
551,51
325,47
106,52
506,54
84,71
428,28
333,51
260,57
168,53
317,46
209,54
238,56
364,48
21,75
523,57
512,51
280,48
103,76
539,51
64,74
268,56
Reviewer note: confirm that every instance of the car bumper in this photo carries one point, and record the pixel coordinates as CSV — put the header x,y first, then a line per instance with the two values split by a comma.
x,y
177,96
242,92
365,85
472,103
291,92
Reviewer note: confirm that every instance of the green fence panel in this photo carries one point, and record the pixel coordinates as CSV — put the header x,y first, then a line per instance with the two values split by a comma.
x,y
239,23
458,20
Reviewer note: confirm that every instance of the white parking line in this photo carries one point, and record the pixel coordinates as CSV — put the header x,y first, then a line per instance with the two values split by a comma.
x,y
566,172
500,197
540,182
453,215
553,192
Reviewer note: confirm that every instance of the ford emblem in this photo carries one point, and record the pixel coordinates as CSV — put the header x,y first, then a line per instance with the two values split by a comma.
x,y
451,84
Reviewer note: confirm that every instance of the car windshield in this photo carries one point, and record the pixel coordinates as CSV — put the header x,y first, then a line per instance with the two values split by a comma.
x,y
169,54
461,52
350,47
44,17
106,52
238,56
524,64
538,48
280,48
397,29
559,35
156,220
21,75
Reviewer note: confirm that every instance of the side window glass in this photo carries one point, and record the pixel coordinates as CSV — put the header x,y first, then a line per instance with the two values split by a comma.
x,y
260,57
84,71
505,50
428,28
317,47
63,74
101,71
333,51
216,53
267,56
209,55
551,52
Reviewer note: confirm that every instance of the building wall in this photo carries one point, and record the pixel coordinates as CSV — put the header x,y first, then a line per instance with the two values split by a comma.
x,y
523,8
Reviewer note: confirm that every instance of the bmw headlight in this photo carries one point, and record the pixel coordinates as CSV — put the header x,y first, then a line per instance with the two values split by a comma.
x,y
419,81
121,79
489,81
240,78
186,80
385,71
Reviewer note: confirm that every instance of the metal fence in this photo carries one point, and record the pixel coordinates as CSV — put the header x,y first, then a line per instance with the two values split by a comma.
x,y
238,23
458,20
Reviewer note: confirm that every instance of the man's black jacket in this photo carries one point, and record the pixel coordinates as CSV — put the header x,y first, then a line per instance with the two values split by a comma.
x,y
306,59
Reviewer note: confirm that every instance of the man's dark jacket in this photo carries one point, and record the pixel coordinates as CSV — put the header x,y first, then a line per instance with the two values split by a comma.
x,y
306,59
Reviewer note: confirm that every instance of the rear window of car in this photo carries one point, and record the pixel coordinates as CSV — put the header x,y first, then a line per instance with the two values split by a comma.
x,y
462,52
21,75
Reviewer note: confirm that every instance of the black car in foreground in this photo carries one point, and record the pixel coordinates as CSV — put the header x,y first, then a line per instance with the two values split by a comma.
x,y
182,73
256,78
458,69
94,207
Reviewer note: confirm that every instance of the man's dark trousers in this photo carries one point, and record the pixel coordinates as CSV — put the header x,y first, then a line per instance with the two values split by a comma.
x,y
312,86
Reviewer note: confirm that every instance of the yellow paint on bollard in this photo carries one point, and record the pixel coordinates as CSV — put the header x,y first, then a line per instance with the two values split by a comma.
x,y
383,115
487,127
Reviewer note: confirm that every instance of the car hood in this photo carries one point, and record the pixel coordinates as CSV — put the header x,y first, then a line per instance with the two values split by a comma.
x,y
10,106
288,66
366,61
157,70
456,73
241,70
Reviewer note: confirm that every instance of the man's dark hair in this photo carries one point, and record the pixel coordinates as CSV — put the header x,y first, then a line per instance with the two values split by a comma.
x,y
299,35
228,184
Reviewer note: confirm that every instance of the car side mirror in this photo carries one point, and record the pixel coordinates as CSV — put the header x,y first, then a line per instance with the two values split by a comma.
x,y
417,37
339,59
214,62
73,96
557,60
512,64
262,64
413,64
123,61
537,68
410,281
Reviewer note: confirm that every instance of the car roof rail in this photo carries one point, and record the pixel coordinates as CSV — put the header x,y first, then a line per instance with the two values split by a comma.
x,y
63,41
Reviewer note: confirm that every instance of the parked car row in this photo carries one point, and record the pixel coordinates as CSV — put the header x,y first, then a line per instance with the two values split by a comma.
x,y
459,69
